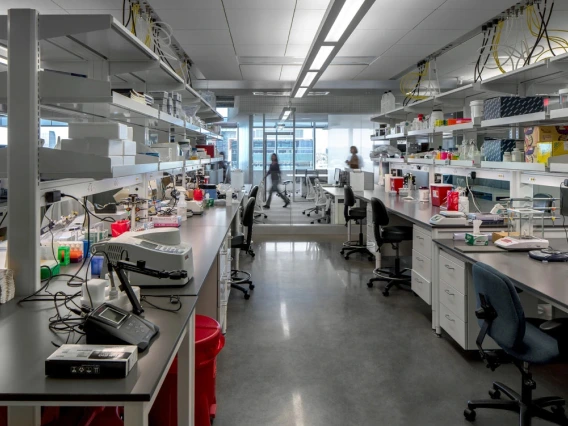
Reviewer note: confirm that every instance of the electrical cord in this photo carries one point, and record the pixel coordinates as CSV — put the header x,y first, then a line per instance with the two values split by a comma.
x,y
472,194
173,300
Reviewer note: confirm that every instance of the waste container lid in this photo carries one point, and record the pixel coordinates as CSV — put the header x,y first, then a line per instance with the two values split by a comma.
x,y
207,330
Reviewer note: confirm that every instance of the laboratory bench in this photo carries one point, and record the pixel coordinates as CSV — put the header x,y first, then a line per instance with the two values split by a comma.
x,y
441,274
24,387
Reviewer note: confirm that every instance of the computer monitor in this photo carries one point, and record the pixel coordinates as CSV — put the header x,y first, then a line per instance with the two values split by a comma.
x,y
337,176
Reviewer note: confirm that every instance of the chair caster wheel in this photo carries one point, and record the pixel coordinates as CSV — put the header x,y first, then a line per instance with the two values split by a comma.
x,y
265,216
386,293
346,257
308,215
469,415
370,284
341,251
247,296
557,409
251,286
494,394
303,212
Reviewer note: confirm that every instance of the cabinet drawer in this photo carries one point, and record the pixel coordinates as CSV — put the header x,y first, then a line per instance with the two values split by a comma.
x,y
422,265
452,271
455,327
422,287
422,242
453,300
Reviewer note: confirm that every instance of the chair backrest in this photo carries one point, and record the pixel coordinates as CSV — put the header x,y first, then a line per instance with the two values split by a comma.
x,y
380,218
248,218
349,201
253,192
508,329
311,195
542,203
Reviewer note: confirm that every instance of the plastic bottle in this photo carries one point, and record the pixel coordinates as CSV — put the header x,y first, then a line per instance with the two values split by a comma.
x,y
390,103
182,208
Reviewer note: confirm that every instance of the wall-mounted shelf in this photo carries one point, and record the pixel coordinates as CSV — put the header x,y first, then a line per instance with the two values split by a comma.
x,y
396,136
420,161
537,167
526,119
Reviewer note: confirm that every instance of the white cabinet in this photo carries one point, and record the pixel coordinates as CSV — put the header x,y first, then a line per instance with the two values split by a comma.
x,y
224,261
422,263
422,287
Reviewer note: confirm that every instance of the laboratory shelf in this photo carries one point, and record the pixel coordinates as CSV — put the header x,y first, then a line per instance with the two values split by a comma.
x,y
463,163
170,165
216,160
559,114
420,161
206,161
526,119
422,132
396,136
559,167
378,138
442,162
537,167
206,112
394,160
423,106
398,113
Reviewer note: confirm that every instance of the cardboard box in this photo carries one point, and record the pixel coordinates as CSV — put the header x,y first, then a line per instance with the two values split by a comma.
x,y
476,239
502,234
128,148
534,135
509,106
493,149
545,150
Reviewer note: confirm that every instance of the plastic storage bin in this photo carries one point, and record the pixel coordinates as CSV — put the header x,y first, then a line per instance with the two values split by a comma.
x,y
439,193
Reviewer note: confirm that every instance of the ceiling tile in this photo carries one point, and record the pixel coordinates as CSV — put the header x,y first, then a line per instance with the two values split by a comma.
x,y
384,68
245,36
203,36
342,72
415,50
200,50
307,19
479,4
215,68
297,50
312,4
259,4
380,18
261,72
302,36
409,5
290,72
370,42
76,4
455,19
267,19
438,37
260,49
199,19
186,4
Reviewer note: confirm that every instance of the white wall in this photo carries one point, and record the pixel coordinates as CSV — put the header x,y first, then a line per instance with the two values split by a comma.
x,y
345,131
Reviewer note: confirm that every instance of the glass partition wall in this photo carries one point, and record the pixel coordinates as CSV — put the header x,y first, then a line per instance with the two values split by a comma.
x,y
301,160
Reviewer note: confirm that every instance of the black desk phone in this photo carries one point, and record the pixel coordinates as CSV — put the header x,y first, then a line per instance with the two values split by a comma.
x,y
110,325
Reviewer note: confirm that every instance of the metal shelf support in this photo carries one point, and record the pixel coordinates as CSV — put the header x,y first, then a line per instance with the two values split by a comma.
x,y
23,149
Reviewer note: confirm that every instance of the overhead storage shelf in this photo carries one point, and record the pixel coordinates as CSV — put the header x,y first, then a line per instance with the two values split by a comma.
x,y
536,167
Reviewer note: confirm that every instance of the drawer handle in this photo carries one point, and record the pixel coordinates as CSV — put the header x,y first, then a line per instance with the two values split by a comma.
x,y
449,267
419,281
419,237
448,292
449,318
420,260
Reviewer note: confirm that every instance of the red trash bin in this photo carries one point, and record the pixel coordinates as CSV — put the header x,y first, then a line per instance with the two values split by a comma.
x,y
209,341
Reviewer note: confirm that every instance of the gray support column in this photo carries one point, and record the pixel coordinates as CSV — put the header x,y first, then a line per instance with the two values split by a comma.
x,y
23,151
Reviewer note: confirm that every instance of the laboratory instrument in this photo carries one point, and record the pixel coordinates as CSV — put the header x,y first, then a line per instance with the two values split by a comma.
x,y
449,218
84,361
549,255
160,248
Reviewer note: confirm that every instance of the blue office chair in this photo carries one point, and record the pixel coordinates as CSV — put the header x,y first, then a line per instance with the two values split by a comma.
x,y
525,341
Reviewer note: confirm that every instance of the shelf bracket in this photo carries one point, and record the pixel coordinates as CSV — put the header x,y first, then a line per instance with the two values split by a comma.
x,y
52,26
509,88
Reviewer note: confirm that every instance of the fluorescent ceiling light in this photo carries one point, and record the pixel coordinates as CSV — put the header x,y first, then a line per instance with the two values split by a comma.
x,y
309,78
321,57
301,92
346,15
286,115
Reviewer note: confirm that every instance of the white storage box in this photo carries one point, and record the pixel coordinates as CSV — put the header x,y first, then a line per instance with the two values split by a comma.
x,y
96,146
129,160
98,130
130,133
128,147
116,160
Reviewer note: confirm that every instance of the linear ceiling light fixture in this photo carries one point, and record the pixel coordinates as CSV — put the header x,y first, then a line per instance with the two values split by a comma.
x,y
285,114
341,18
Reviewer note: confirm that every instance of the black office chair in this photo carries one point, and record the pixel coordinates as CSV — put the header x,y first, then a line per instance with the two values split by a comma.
x,y
393,235
525,341
258,210
238,277
357,214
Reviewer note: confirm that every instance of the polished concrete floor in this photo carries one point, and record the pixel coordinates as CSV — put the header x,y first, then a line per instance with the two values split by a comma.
x,y
315,347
